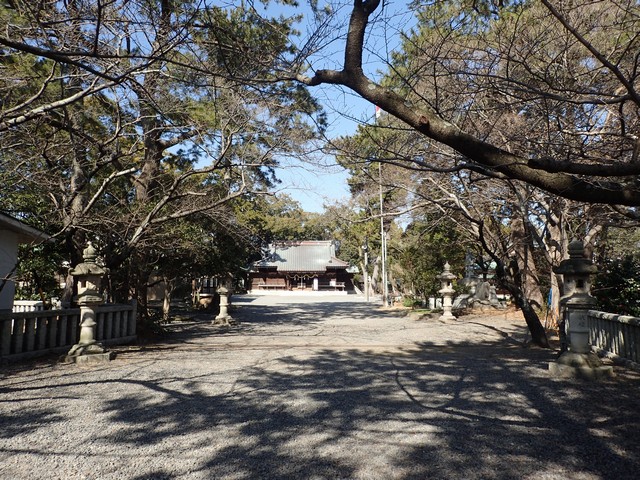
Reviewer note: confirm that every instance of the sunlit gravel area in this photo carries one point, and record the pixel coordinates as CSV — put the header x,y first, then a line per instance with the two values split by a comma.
x,y
320,388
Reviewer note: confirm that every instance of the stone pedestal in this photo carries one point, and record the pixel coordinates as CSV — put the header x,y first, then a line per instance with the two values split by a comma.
x,y
223,317
447,291
578,361
580,365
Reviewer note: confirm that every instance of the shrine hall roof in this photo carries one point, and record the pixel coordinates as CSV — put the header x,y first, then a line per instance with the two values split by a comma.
x,y
301,256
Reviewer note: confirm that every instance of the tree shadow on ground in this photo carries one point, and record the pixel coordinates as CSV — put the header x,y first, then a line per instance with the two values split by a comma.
x,y
434,411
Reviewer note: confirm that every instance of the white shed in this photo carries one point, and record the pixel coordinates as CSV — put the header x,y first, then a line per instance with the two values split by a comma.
x,y
12,233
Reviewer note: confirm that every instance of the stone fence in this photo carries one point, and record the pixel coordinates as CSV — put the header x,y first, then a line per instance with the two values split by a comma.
x,y
28,305
616,336
30,334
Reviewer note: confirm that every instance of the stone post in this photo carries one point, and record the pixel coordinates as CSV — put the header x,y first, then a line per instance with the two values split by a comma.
x,y
223,317
447,291
578,360
88,278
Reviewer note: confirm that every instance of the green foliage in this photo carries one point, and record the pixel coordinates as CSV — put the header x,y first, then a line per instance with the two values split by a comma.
x,y
410,301
425,251
39,271
270,218
155,165
620,243
617,286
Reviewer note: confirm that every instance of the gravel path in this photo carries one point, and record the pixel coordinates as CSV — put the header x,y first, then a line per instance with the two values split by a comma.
x,y
325,389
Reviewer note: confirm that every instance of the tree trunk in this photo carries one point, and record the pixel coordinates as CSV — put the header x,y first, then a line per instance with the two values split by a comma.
x,y
553,306
510,281
522,242
392,281
77,195
538,334
374,276
166,302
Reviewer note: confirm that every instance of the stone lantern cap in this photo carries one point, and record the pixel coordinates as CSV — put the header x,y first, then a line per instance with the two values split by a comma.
x,y
577,264
89,266
447,275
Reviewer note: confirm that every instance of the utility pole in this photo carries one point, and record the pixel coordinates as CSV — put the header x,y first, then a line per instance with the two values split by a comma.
x,y
383,241
365,249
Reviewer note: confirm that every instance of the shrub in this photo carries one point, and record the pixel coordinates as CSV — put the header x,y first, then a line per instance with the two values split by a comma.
x,y
410,302
617,286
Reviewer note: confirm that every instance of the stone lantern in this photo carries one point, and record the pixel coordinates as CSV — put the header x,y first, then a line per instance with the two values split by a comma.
x,y
223,317
447,291
88,278
578,360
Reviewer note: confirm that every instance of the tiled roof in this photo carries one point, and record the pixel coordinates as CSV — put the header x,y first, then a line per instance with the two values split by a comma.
x,y
302,256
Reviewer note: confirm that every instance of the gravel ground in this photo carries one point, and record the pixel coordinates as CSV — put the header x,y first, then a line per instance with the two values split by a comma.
x,y
330,388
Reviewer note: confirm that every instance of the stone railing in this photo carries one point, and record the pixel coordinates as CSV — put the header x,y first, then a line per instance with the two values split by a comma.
x,y
617,336
30,334
27,305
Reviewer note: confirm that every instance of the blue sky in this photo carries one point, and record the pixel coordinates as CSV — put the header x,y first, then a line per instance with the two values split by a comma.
x,y
315,186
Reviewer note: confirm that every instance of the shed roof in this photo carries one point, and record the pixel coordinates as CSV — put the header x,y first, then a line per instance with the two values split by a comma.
x,y
302,256
25,233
